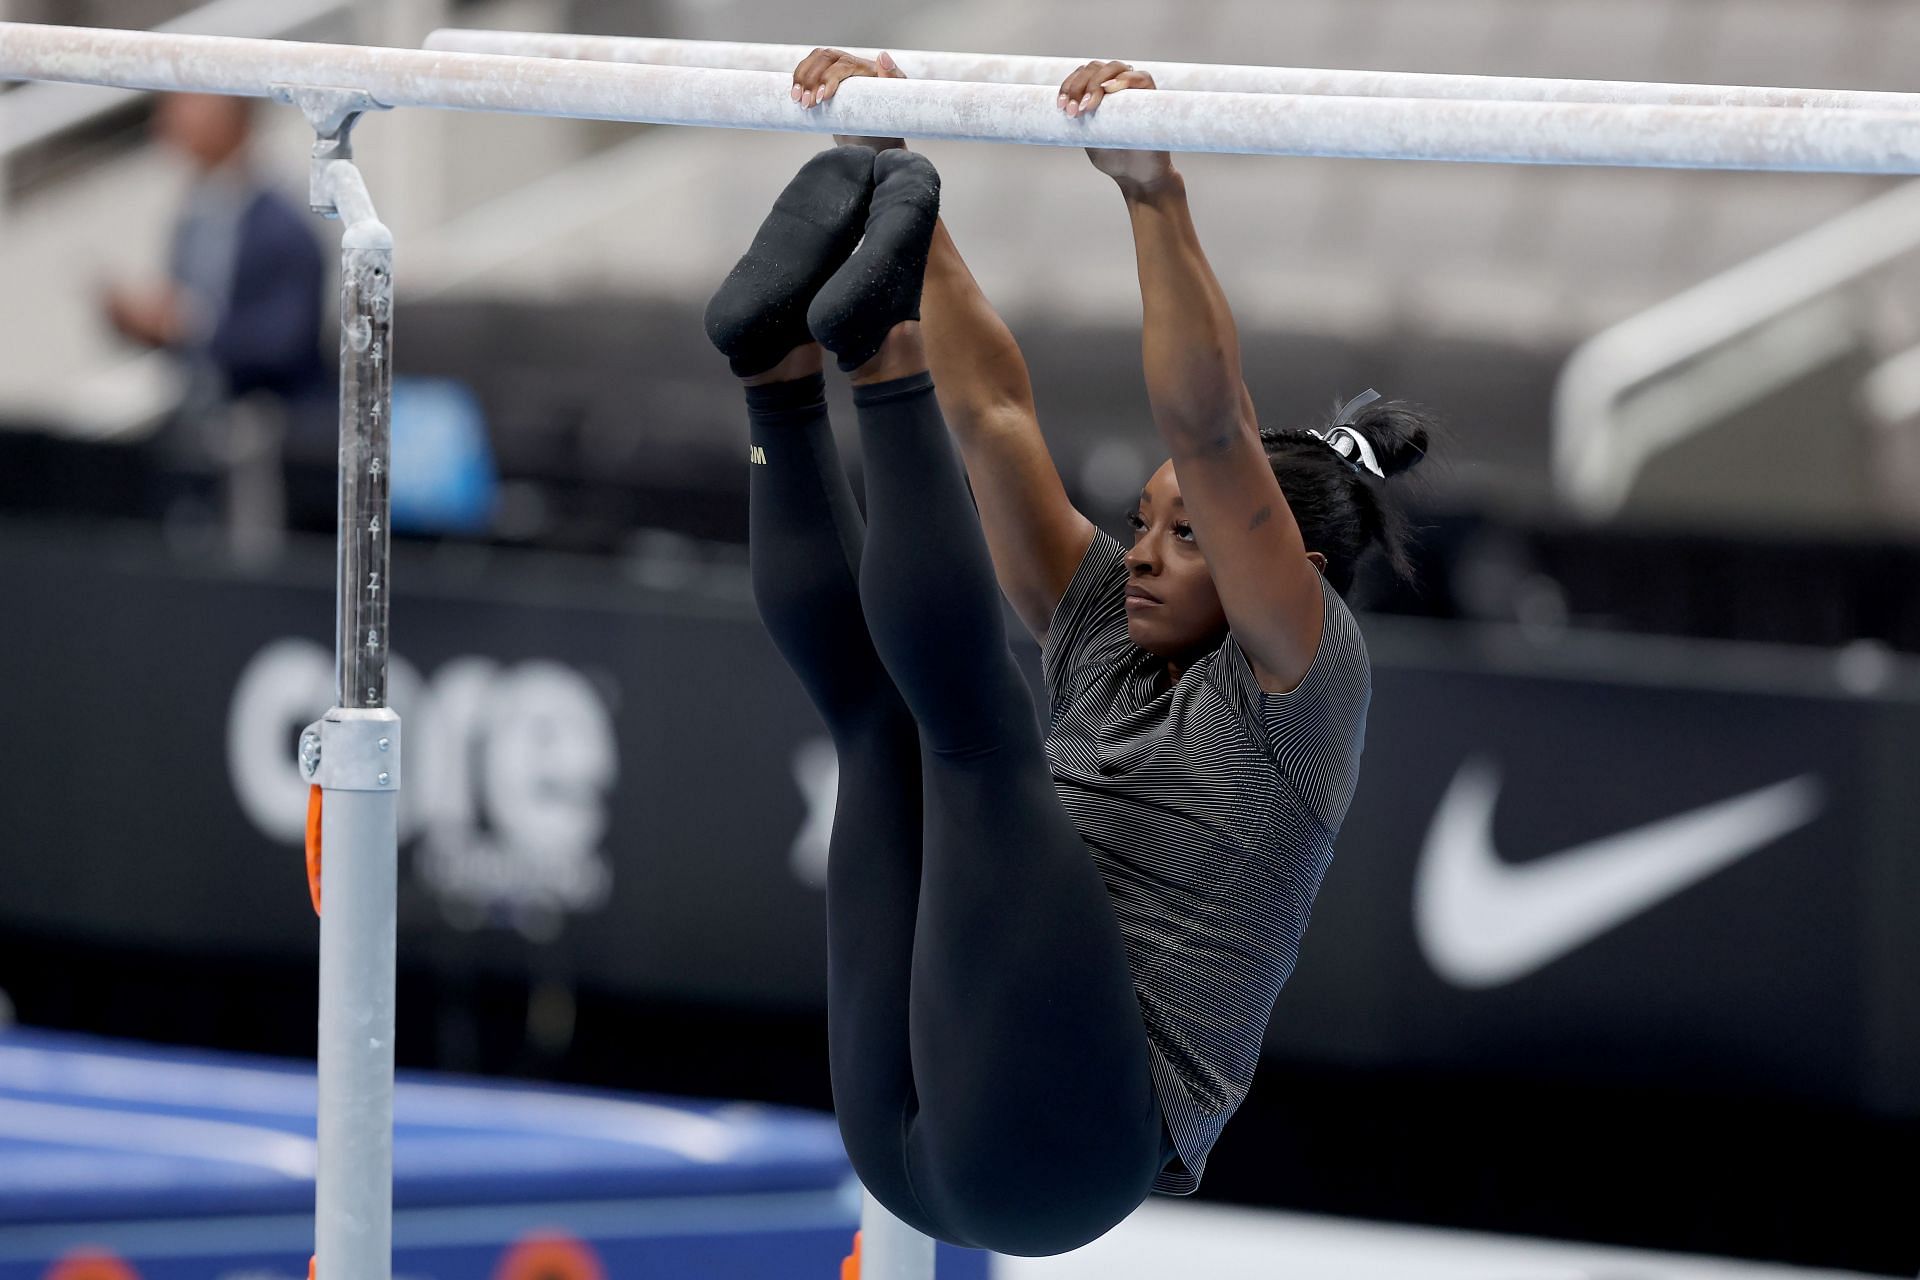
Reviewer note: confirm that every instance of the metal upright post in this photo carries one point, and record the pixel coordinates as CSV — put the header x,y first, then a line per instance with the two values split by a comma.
x,y
889,1248
353,752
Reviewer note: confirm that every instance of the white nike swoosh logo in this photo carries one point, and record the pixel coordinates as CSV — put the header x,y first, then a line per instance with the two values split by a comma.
x,y
1483,922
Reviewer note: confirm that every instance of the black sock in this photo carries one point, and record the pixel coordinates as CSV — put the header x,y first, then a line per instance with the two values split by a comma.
x,y
879,286
805,396
869,394
759,313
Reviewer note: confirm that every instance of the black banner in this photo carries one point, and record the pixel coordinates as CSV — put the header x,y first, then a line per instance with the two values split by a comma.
x,y
1611,858
1628,876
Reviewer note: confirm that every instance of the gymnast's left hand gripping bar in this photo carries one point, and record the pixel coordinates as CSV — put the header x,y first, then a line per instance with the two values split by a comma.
x,y
351,755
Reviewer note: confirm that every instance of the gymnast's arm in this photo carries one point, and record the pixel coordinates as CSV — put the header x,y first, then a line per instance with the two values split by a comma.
x,y
1190,347
1035,535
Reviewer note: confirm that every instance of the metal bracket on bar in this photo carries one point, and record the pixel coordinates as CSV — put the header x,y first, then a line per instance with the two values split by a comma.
x,y
352,749
332,113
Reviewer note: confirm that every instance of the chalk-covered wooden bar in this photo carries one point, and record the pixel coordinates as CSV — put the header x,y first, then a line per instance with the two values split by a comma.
x,y
1839,139
1205,77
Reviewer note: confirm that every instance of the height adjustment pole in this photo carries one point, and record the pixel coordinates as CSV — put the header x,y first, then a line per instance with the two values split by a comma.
x,y
890,1249
353,753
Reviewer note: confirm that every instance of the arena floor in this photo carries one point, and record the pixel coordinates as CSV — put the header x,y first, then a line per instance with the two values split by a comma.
x,y
1167,1238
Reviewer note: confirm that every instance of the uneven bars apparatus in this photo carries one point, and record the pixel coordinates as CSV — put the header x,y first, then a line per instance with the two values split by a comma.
x,y
353,753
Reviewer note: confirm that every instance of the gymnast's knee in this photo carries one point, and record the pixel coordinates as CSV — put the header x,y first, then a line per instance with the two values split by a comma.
x,y
1038,1207
1042,1221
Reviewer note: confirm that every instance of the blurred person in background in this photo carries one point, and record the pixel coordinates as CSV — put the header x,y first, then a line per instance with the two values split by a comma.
x,y
241,309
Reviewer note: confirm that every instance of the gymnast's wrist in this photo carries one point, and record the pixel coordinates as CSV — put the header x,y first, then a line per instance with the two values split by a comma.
x,y
1168,184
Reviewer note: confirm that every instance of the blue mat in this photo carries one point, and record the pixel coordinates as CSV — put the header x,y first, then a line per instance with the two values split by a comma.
x,y
185,1164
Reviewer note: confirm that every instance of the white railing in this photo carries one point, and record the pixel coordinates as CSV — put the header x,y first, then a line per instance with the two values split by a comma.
x,y
1606,428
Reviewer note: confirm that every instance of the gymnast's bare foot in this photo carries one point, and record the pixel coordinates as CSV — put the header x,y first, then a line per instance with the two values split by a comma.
x,y
901,354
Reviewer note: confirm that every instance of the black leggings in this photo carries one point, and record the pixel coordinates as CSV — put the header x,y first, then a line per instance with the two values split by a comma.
x,y
989,1065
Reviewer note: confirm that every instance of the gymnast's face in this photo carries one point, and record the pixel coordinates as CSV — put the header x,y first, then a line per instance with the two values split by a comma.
x,y
1173,610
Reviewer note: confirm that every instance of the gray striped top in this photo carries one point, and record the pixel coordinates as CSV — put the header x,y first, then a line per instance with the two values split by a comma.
x,y
1211,808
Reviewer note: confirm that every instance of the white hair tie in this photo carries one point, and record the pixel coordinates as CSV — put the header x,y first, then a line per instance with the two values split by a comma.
x,y
1347,442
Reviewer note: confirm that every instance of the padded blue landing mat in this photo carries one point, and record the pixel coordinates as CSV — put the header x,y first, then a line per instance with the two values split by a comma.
x,y
125,1162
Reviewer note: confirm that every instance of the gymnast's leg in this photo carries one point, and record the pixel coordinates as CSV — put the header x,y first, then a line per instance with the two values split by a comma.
x,y
805,537
1038,1128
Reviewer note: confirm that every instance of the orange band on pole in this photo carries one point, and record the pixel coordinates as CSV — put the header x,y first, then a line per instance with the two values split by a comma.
x,y
313,846
91,1264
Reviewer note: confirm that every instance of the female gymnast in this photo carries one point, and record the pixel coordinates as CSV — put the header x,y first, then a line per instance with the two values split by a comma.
x,y
1051,958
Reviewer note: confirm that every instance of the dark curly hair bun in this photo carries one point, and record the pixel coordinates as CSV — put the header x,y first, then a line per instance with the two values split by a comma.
x,y
1343,510
1398,430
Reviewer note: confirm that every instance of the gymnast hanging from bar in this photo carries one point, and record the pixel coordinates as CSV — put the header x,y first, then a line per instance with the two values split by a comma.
x,y
1052,955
